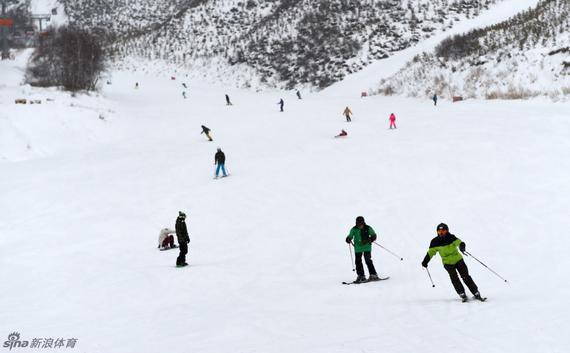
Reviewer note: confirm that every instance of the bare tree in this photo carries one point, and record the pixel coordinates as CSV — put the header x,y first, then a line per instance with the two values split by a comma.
x,y
69,57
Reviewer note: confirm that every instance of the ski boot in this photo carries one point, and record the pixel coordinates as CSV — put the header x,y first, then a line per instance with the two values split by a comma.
x,y
360,279
479,297
373,278
463,297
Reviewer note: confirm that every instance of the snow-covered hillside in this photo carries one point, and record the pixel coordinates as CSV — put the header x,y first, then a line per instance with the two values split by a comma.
x,y
525,56
81,210
283,43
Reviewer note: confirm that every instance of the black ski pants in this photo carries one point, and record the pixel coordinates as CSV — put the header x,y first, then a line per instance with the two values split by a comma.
x,y
181,259
461,267
368,260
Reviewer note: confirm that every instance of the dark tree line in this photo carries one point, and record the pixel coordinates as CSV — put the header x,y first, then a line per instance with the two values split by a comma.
x,y
67,57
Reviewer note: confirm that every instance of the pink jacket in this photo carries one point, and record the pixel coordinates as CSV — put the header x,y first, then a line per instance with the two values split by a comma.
x,y
392,117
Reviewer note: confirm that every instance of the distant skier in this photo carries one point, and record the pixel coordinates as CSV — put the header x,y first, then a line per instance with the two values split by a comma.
x,y
136,85
228,101
342,134
347,113
299,94
281,104
393,121
184,94
206,131
183,239
446,244
362,236
220,160
434,99
184,85
166,239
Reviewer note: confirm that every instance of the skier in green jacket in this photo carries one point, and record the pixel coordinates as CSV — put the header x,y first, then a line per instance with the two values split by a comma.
x,y
362,236
446,245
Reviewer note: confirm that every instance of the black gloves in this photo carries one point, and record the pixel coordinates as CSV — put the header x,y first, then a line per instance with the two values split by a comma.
x,y
373,238
425,261
462,247
348,240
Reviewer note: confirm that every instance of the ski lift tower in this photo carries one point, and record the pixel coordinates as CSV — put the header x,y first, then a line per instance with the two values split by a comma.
x,y
41,18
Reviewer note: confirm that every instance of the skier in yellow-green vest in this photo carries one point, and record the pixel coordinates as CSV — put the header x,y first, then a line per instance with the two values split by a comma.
x,y
446,245
362,236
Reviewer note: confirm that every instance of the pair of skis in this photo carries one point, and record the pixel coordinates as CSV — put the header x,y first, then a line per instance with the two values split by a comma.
x,y
220,177
464,300
481,299
367,281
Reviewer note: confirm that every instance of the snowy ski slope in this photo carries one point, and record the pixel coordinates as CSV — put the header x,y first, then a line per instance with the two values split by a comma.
x,y
81,209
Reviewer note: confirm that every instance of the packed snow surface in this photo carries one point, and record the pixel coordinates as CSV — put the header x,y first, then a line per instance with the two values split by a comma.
x,y
87,183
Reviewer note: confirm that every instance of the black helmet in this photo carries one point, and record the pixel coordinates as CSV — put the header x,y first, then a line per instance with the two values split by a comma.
x,y
181,215
360,220
442,226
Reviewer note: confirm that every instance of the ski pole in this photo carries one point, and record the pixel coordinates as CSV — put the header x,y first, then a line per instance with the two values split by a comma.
x,y
351,258
396,255
488,268
431,280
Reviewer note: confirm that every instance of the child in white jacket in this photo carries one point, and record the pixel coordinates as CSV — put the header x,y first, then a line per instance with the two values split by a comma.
x,y
166,239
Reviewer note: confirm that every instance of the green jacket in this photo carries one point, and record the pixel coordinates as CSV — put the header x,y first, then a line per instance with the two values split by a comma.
x,y
446,247
356,236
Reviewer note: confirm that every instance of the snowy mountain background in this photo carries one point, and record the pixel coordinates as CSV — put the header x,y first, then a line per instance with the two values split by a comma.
x,y
258,43
88,181
293,44
525,56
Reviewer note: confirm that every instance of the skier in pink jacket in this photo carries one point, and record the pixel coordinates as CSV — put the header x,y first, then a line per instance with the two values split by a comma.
x,y
393,121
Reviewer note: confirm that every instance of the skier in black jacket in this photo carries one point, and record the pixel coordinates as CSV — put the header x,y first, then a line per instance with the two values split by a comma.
x,y
183,239
206,131
220,160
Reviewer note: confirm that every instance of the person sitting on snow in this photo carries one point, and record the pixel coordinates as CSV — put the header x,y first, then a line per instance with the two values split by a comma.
x,y
342,133
166,239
